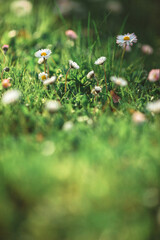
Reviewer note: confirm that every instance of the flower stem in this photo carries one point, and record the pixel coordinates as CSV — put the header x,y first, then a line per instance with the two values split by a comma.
x,y
105,78
66,79
48,70
123,52
44,65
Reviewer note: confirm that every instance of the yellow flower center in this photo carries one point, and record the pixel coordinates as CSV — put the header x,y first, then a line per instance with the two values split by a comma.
x,y
126,38
43,54
43,77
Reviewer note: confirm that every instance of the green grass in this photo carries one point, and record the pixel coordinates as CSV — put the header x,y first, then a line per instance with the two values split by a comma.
x,y
100,180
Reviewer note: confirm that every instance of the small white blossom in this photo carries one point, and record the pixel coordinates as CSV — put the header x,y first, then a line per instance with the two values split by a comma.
x,y
48,148
12,34
49,80
126,39
119,81
21,7
68,126
45,53
147,49
11,96
98,89
73,64
100,61
90,74
154,106
43,76
52,106
138,117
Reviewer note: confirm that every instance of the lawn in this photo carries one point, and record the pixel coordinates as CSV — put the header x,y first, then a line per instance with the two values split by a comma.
x,y
78,163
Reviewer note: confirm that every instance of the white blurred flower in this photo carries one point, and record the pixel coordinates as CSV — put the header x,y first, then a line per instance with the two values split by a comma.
x,y
73,64
68,126
100,61
126,39
12,33
114,6
138,117
119,81
147,49
11,96
71,34
98,89
86,119
154,106
43,76
48,148
90,74
49,80
45,53
52,106
21,7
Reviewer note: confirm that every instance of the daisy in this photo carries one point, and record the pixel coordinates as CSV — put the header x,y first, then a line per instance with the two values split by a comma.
x,y
49,80
21,7
73,64
11,96
52,106
126,39
119,81
43,76
6,83
147,49
45,53
138,117
68,126
154,75
100,61
154,106
90,74
71,34
5,48
96,90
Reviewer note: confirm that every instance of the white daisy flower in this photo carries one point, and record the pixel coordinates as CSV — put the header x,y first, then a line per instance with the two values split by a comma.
x,y
68,126
126,39
154,106
52,106
98,89
138,117
119,81
73,64
45,53
21,7
100,61
11,96
49,80
43,76
90,74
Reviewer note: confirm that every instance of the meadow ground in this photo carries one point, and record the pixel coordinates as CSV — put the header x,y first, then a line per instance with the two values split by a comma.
x,y
88,170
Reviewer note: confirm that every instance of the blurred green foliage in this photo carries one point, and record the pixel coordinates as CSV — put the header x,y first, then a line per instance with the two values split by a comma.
x,y
100,179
